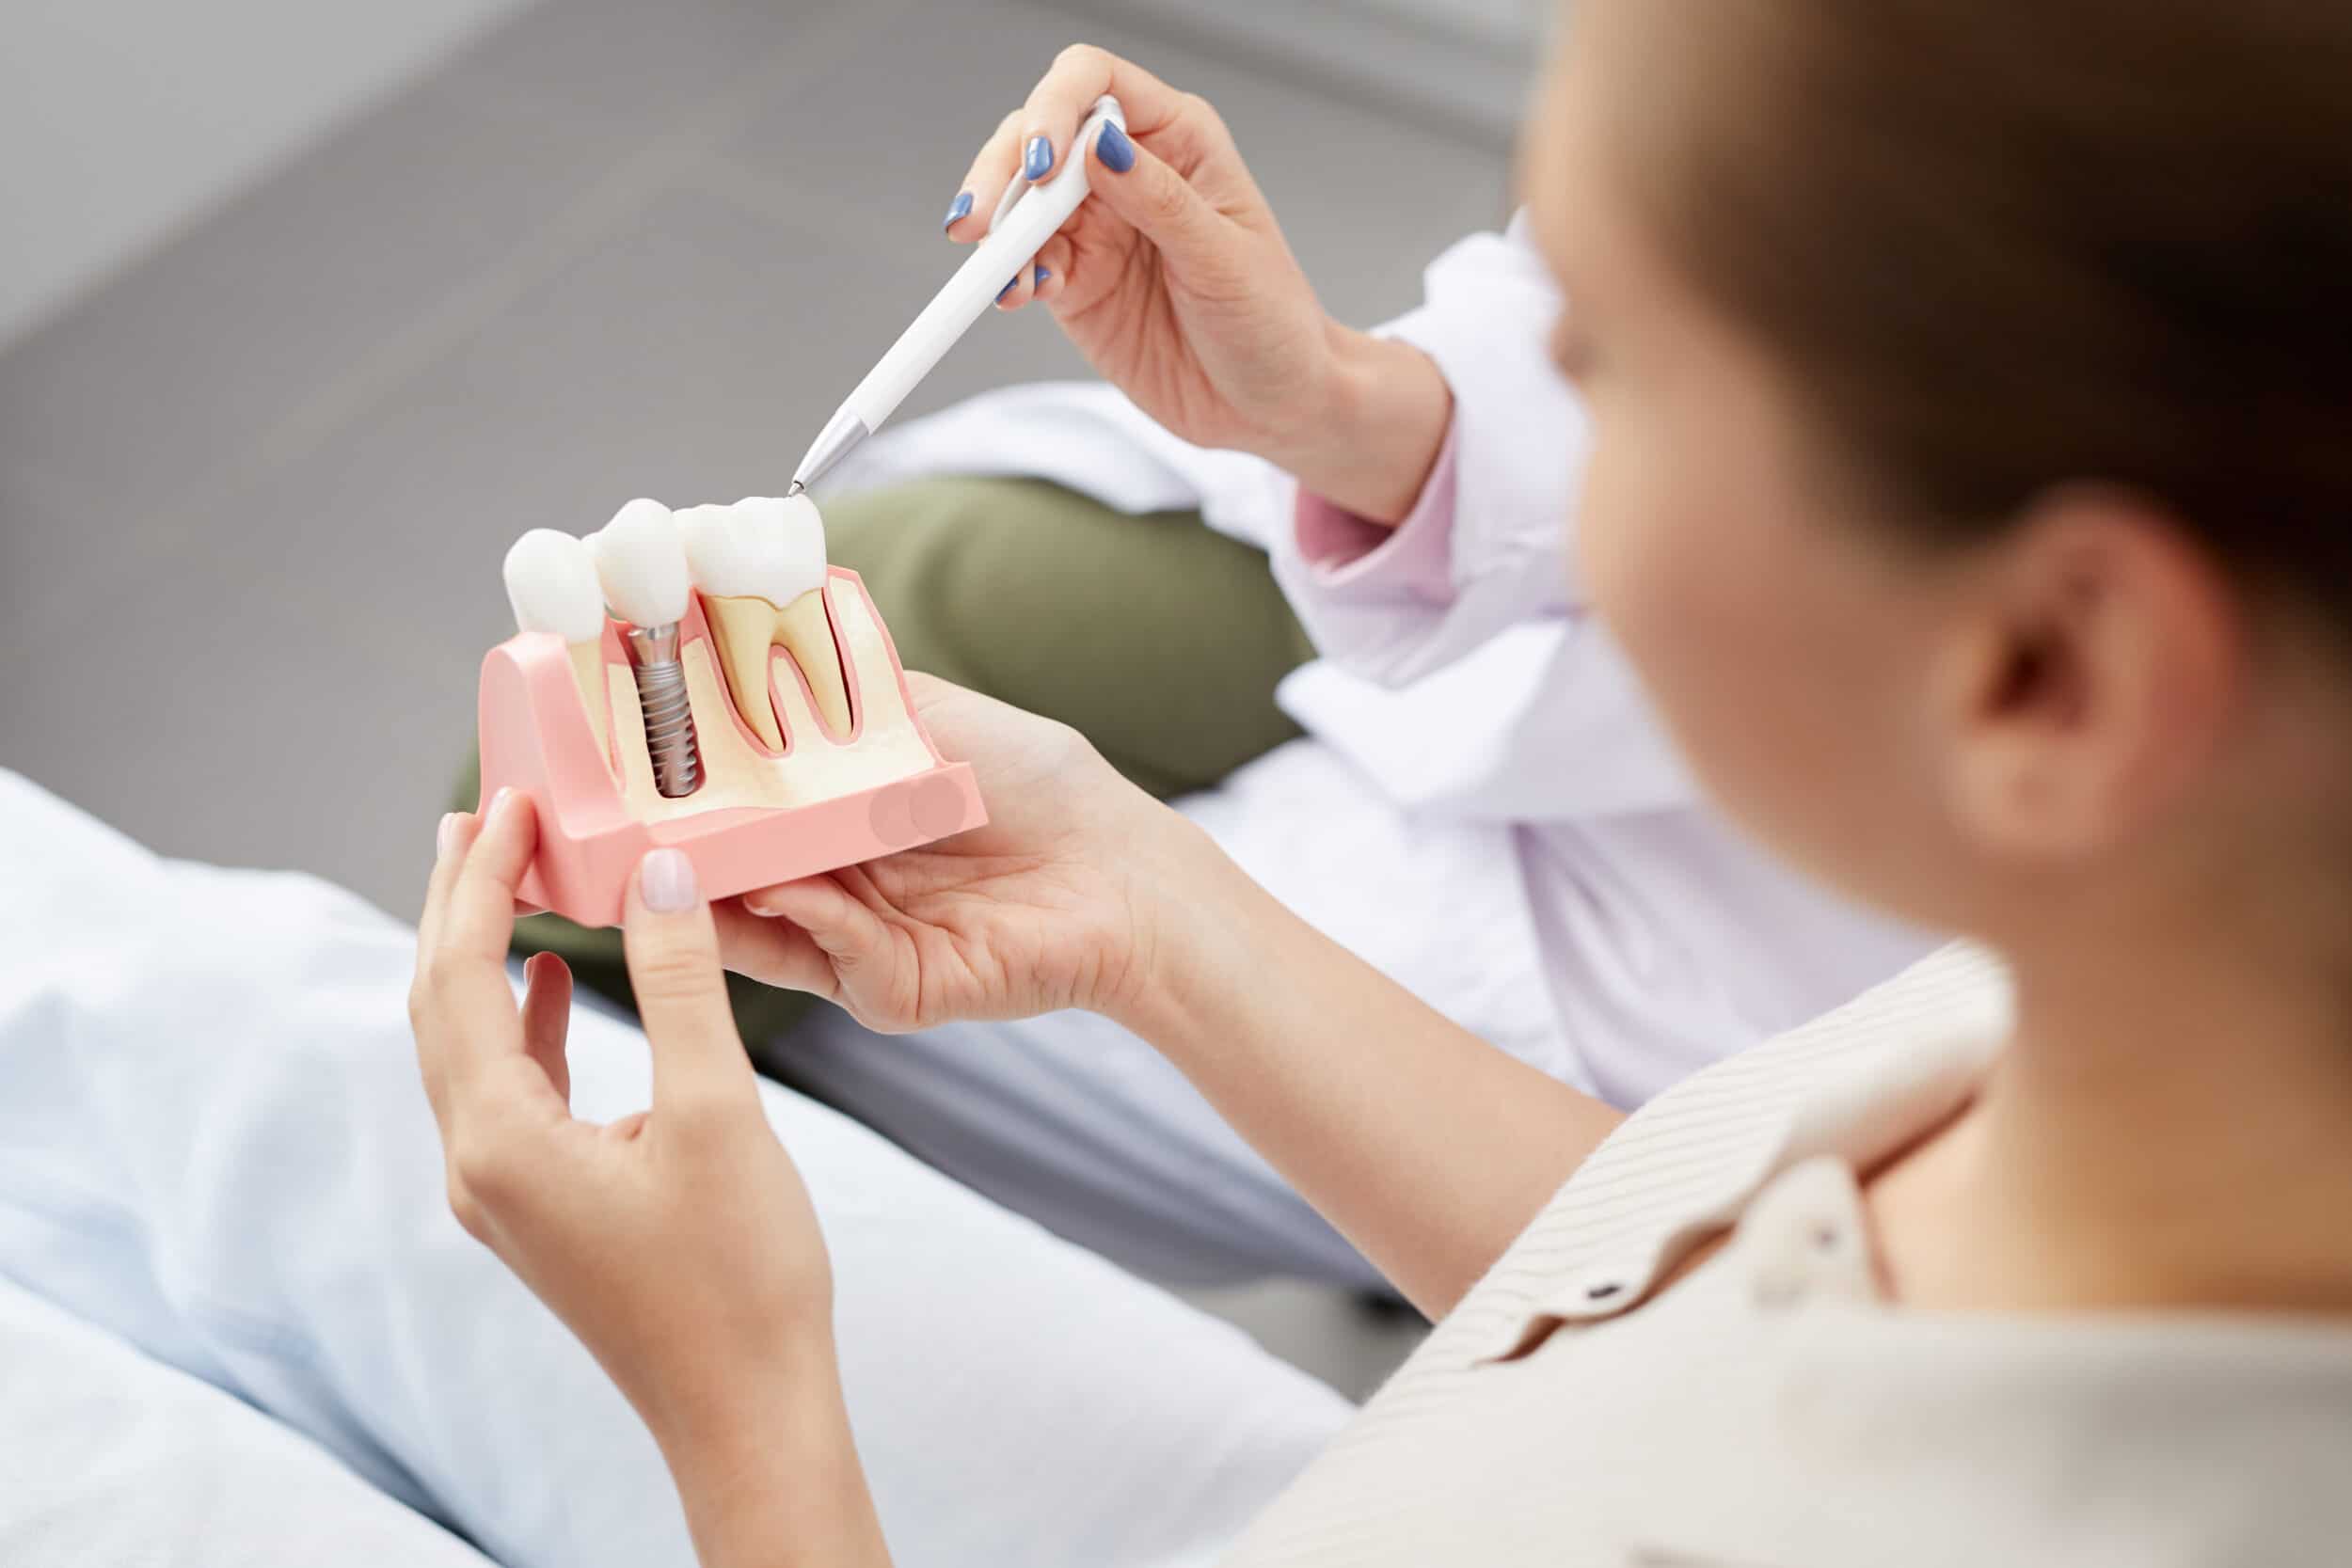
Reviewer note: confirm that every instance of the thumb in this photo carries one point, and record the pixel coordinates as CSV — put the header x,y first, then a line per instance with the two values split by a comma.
x,y
673,953
1145,190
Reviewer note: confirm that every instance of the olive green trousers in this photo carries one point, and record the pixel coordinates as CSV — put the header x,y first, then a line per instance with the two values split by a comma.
x,y
1159,639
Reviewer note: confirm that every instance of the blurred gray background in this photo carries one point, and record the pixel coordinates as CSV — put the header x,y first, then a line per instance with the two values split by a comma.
x,y
307,309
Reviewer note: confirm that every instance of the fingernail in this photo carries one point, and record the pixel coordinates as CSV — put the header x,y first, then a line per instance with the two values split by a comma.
x,y
960,208
1038,158
666,879
1042,274
1010,283
445,836
1116,153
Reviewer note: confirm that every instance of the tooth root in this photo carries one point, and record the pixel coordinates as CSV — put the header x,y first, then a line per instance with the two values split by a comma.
x,y
588,674
805,631
744,630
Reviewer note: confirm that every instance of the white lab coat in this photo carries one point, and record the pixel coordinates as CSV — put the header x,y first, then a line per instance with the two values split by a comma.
x,y
1666,941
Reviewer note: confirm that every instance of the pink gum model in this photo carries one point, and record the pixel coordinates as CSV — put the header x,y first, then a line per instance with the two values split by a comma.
x,y
535,739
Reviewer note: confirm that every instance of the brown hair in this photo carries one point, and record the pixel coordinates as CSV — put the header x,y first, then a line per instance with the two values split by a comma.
x,y
2007,246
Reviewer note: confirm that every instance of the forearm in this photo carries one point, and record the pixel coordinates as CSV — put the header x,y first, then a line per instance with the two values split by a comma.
x,y
1426,1147
1373,440
769,1473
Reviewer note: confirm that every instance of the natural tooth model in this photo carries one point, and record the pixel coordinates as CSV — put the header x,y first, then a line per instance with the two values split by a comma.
x,y
641,565
760,564
552,583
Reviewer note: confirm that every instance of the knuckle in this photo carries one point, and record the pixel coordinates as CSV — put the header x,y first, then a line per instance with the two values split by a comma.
x,y
673,972
1168,198
1084,57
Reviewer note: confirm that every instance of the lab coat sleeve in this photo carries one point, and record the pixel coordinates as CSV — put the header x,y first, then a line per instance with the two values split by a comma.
x,y
1466,622
1486,547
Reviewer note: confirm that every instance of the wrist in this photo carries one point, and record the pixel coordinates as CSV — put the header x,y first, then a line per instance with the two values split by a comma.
x,y
1376,430
1192,902
770,1474
718,1410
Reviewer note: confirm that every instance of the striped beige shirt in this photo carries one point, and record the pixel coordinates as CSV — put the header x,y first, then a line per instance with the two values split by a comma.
x,y
1770,1410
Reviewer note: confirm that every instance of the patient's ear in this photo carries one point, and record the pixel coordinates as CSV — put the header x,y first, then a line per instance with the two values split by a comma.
x,y
2094,675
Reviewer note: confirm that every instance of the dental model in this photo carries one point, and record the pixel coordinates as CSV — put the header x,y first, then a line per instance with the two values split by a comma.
x,y
641,562
731,638
761,565
552,583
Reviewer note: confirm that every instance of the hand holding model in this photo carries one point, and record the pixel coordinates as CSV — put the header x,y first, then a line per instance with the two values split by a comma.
x,y
1175,283
678,1243
1059,901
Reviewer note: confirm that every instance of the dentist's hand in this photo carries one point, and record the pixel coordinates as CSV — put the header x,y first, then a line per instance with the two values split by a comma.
x,y
1064,900
678,1243
1175,283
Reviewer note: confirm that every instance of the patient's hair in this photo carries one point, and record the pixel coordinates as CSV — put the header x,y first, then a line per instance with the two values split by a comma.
x,y
2008,244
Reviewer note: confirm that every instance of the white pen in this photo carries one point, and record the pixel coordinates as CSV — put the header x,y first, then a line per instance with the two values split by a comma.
x,y
1026,216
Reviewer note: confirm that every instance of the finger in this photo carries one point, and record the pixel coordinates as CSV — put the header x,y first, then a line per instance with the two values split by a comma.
x,y
426,1015
991,169
1053,268
773,951
1014,295
479,920
468,953
854,940
547,1018
673,951
450,841
1143,188
1065,95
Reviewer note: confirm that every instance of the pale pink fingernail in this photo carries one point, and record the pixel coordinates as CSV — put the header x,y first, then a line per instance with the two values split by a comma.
x,y
445,836
666,879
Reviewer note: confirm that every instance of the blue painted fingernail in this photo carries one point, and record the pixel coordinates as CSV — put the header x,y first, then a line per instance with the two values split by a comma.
x,y
1042,274
1038,158
1116,153
960,208
1012,283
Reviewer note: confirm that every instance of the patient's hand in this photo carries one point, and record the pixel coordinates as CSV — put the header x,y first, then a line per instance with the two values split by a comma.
x,y
1052,904
678,1243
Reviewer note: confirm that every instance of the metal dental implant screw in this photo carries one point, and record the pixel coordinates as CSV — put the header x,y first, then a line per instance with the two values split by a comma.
x,y
642,566
669,715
